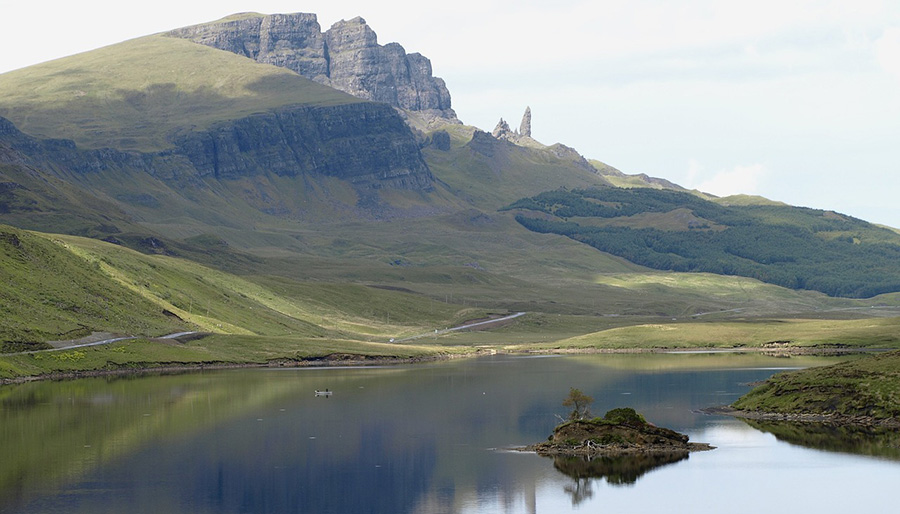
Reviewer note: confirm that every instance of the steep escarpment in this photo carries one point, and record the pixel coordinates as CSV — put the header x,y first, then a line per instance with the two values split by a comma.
x,y
364,143
346,57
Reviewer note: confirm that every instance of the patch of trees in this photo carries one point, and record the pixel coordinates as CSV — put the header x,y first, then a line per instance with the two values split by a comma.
x,y
776,244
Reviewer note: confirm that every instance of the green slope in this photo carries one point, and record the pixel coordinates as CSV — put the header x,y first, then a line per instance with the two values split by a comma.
x,y
864,389
50,293
64,287
133,95
792,247
35,200
488,173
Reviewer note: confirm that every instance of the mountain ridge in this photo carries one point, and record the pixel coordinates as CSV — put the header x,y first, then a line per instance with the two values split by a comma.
x,y
346,57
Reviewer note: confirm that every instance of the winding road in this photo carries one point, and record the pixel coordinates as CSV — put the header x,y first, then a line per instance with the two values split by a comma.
x,y
180,334
98,343
461,327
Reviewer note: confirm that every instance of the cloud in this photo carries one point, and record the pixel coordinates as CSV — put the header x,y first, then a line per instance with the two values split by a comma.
x,y
887,51
738,180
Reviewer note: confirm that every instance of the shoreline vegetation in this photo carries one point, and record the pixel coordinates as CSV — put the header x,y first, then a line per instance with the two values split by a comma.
x,y
620,432
349,358
863,392
138,356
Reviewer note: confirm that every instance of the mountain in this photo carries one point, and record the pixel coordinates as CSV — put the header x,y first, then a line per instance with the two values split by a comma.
x,y
200,114
160,125
227,145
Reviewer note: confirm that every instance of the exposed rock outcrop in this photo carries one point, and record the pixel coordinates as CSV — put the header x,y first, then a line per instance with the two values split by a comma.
x,y
486,144
525,126
502,130
440,140
366,144
346,57
522,136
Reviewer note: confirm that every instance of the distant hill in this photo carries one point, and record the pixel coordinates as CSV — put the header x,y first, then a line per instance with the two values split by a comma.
x,y
793,247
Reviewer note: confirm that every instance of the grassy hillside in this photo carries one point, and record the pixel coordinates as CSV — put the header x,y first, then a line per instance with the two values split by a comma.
x,y
769,334
491,177
793,247
864,388
64,287
34,200
133,95
51,293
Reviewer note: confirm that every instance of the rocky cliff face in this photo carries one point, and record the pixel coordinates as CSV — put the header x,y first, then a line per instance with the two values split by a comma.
x,y
346,57
366,144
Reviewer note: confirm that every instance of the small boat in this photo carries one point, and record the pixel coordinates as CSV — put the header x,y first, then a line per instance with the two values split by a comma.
x,y
323,393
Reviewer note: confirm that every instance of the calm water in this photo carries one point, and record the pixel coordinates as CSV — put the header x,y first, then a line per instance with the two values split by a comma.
x,y
417,439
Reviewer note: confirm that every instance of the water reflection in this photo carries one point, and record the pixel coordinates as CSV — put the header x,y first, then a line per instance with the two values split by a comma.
x,y
619,471
871,441
399,439
622,470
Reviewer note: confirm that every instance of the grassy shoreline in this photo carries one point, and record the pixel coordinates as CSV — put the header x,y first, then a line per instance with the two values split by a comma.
x,y
175,369
101,361
863,392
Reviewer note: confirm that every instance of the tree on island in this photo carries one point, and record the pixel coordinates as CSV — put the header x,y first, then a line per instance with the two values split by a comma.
x,y
580,404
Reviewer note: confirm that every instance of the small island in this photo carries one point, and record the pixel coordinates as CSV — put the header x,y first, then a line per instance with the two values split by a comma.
x,y
620,431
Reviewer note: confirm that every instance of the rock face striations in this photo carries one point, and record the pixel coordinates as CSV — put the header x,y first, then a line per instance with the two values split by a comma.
x,y
346,57
366,144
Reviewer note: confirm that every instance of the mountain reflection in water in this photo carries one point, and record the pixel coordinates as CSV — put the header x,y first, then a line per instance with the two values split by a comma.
x,y
622,470
859,440
405,439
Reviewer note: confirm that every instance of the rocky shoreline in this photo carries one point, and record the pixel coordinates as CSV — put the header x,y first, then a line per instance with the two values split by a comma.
x,y
807,417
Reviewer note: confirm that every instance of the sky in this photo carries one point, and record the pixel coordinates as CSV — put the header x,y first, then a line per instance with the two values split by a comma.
x,y
794,100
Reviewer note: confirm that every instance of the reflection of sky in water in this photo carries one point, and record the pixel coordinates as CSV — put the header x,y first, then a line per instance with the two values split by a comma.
x,y
750,472
419,439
